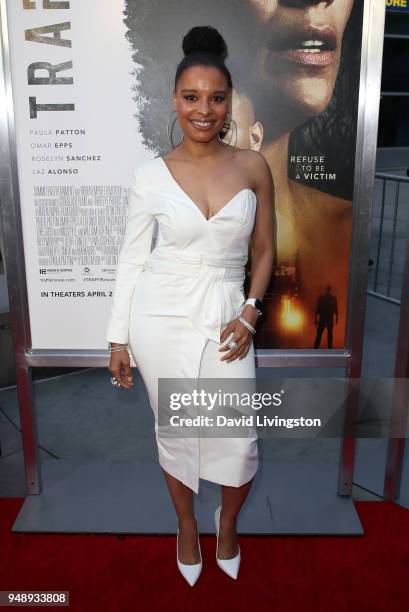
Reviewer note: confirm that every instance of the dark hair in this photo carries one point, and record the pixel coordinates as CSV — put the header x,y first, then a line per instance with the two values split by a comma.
x,y
204,46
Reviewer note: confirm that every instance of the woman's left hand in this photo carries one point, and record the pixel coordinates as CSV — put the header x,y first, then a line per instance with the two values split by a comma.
x,y
241,335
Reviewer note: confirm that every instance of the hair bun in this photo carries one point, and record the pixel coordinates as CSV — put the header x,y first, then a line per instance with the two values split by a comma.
x,y
204,39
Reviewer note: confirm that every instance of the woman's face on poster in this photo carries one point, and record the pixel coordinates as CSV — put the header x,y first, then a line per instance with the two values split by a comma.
x,y
300,53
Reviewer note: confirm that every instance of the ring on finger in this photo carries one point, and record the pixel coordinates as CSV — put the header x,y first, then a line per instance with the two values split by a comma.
x,y
232,344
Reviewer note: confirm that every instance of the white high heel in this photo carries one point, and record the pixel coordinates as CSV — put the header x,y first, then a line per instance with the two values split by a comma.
x,y
230,566
190,571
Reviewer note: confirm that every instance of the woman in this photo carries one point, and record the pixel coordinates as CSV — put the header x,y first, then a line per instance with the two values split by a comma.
x,y
182,305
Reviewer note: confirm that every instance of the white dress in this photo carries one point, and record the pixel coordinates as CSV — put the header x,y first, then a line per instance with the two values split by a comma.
x,y
171,305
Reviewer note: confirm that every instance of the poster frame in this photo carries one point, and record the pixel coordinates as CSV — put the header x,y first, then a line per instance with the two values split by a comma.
x,y
349,357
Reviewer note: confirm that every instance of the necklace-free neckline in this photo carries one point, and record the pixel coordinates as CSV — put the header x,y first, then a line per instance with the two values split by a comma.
x,y
207,220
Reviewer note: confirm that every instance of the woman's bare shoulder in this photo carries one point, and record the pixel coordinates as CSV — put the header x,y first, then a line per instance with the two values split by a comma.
x,y
255,165
248,156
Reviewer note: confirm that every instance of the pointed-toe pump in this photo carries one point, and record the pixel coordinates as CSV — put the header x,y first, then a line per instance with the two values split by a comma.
x,y
230,566
190,572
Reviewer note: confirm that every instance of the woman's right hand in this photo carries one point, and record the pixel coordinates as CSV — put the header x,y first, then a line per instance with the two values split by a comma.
x,y
120,367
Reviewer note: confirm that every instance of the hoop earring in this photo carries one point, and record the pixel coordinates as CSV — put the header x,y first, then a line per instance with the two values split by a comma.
x,y
170,129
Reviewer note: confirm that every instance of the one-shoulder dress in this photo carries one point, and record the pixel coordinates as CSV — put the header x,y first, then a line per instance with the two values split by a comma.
x,y
171,304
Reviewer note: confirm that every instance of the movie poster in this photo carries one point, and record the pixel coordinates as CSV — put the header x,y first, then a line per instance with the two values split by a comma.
x,y
92,85
77,146
295,68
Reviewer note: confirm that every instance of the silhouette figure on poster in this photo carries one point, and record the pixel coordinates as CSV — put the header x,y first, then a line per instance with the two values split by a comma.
x,y
327,307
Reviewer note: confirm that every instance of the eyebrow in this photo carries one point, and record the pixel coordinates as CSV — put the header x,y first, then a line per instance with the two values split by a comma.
x,y
195,90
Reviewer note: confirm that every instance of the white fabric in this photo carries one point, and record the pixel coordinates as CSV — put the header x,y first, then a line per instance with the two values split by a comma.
x,y
172,303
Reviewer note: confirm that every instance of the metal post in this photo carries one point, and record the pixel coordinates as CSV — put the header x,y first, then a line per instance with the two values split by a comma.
x,y
368,111
14,263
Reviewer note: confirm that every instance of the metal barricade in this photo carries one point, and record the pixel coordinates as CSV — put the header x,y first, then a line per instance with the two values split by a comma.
x,y
390,216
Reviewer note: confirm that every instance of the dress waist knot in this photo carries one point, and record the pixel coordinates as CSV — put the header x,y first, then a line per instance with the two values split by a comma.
x,y
203,289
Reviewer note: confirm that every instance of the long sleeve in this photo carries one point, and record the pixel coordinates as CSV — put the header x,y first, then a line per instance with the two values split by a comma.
x,y
134,251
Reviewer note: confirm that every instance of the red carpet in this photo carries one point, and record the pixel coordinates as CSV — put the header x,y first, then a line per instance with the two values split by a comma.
x,y
282,573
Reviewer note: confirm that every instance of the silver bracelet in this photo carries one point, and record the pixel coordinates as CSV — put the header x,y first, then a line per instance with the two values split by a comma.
x,y
247,324
113,349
